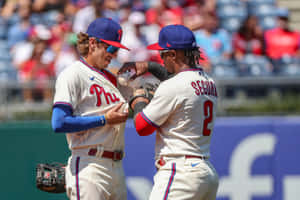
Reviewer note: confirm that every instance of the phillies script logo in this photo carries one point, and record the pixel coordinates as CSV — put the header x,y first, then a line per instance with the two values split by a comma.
x,y
98,90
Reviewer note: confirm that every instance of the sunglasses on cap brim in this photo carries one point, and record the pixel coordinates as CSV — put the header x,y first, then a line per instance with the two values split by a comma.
x,y
110,48
162,52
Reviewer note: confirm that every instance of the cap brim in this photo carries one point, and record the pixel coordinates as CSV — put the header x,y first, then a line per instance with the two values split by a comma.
x,y
115,44
155,47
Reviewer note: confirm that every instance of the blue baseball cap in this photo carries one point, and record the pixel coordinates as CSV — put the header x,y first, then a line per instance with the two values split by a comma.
x,y
106,30
174,37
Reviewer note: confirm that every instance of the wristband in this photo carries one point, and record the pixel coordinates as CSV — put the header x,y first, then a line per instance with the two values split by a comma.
x,y
102,120
139,106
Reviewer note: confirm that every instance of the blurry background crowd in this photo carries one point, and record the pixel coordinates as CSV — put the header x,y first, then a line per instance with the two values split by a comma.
x,y
238,38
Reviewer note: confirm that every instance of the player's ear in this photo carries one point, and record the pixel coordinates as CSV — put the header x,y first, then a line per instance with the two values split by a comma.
x,y
92,44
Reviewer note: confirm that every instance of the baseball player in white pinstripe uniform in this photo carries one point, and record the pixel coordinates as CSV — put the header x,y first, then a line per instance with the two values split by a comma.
x,y
182,112
89,107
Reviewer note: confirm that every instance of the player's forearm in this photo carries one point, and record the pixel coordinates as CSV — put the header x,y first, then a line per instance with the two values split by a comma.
x,y
158,71
62,122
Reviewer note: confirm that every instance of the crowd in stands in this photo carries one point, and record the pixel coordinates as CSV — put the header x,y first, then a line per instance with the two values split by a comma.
x,y
236,37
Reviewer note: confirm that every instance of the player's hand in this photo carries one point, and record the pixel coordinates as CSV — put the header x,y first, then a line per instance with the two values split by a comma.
x,y
140,68
116,115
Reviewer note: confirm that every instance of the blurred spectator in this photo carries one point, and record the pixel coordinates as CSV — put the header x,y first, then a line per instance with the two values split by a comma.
x,y
282,41
195,12
112,9
215,42
9,7
248,39
35,70
19,31
97,8
87,14
67,54
135,38
48,5
22,51
165,12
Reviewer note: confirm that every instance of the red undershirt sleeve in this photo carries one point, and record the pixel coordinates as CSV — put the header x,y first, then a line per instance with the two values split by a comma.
x,y
143,128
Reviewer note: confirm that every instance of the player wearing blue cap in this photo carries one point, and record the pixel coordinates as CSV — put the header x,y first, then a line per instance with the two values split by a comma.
x,y
182,112
90,109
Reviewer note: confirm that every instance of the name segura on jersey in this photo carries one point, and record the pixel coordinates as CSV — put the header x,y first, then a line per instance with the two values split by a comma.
x,y
184,110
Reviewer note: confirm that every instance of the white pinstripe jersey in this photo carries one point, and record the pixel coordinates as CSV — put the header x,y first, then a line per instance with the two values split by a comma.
x,y
183,109
90,93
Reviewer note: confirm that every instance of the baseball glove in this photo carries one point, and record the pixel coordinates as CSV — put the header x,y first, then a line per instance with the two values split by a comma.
x,y
146,90
51,177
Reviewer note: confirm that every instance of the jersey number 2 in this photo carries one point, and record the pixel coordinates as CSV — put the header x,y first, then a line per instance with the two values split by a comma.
x,y
208,114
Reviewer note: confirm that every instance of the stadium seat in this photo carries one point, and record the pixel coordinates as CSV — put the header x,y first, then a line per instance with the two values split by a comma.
x,y
4,54
263,10
36,19
287,66
257,2
267,22
13,20
253,65
231,24
3,29
3,45
7,71
227,11
291,70
221,3
224,69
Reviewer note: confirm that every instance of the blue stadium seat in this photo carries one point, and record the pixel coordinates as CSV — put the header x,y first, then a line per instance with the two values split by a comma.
x,y
290,70
7,71
232,11
263,10
14,19
227,2
224,69
36,18
253,65
4,54
287,66
267,22
257,2
3,45
3,29
231,24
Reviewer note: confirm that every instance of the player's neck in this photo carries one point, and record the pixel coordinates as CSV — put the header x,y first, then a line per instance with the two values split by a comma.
x,y
90,61
181,67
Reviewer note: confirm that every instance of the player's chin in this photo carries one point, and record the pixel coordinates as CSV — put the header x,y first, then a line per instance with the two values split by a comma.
x,y
108,60
106,63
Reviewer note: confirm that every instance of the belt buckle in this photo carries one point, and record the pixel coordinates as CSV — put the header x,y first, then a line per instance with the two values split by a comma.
x,y
115,155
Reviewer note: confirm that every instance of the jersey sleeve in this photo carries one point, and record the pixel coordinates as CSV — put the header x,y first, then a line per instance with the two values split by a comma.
x,y
67,88
162,105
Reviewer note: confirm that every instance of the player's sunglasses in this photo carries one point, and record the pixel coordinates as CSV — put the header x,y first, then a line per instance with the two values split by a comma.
x,y
110,49
162,53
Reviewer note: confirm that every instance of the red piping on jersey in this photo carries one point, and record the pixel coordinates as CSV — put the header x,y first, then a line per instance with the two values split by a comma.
x,y
192,69
106,74
142,126
63,103
148,120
